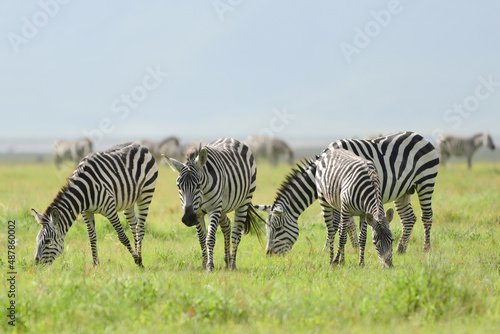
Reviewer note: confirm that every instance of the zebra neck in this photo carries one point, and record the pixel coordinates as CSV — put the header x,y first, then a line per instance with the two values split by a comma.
x,y
478,141
69,203
299,190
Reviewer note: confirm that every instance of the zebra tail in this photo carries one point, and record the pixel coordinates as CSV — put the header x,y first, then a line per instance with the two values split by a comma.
x,y
252,222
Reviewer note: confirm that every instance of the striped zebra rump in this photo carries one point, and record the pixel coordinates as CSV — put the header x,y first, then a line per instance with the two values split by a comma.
x,y
104,182
216,179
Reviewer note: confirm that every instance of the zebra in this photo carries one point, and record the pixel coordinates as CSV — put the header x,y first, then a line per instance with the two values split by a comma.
x,y
169,146
348,183
453,145
270,148
406,163
104,182
218,178
71,150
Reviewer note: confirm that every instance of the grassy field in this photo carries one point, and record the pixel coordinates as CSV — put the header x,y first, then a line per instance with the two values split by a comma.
x,y
455,288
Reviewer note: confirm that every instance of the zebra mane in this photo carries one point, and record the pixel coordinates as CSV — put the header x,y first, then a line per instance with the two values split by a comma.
x,y
301,167
374,180
59,198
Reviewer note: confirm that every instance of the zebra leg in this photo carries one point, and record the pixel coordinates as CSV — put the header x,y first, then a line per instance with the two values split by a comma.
x,y
113,218
240,217
88,218
342,237
425,198
444,158
351,229
362,240
142,213
132,223
225,225
202,238
408,219
214,218
57,161
469,161
331,225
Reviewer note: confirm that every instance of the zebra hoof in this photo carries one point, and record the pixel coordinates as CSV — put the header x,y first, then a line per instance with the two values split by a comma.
x,y
401,249
427,248
138,261
209,267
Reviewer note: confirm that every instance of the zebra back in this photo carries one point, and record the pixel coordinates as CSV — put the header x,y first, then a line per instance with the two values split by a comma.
x,y
115,177
346,180
405,161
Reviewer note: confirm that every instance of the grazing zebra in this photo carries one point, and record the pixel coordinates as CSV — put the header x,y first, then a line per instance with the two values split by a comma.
x,y
453,145
104,182
348,183
270,148
71,150
295,194
406,163
217,179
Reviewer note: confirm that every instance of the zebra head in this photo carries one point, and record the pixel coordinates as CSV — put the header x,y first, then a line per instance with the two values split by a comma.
x,y
488,142
190,185
280,237
382,236
50,241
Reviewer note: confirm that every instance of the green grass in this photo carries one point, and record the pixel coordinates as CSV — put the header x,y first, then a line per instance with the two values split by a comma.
x,y
454,288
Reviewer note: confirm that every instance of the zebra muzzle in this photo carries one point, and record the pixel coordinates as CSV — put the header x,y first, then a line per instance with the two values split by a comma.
x,y
189,218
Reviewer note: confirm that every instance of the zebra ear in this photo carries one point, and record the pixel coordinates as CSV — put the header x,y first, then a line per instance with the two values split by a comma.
x,y
263,208
174,164
37,216
54,215
201,160
390,215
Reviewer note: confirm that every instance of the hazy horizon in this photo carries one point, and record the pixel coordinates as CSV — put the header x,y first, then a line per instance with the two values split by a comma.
x,y
200,70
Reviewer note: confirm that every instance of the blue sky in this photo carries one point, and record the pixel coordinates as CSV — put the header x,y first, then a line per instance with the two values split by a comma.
x,y
303,71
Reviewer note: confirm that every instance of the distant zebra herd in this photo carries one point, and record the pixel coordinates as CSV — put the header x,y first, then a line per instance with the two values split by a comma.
x,y
351,177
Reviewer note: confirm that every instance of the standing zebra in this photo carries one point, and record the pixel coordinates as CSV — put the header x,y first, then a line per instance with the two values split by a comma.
x,y
406,163
453,145
218,178
71,150
350,184
169,146
270,148
104,182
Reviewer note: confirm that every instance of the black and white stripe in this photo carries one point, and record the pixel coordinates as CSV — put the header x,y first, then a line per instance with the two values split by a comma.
x,y
71,150
406,163
105,183
349,184
449,145
217,179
